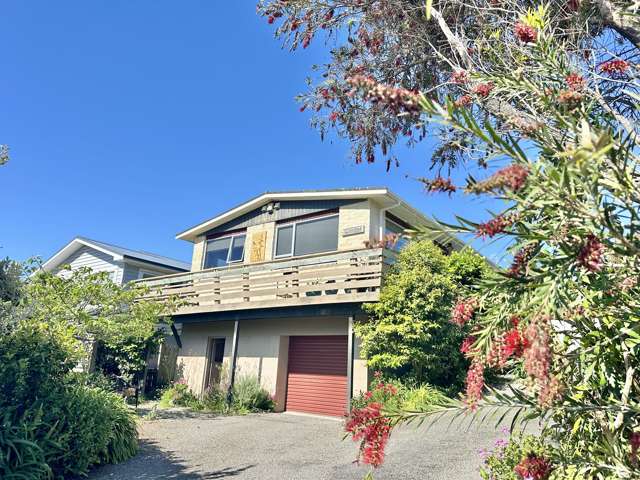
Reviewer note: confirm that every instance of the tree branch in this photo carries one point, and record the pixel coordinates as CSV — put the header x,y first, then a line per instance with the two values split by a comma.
x,y
616,19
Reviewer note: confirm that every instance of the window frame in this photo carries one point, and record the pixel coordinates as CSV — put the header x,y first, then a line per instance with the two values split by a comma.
x,y
232,238
293,223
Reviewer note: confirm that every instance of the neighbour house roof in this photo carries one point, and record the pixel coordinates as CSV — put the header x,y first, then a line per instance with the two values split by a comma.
x,y
381,195
118,254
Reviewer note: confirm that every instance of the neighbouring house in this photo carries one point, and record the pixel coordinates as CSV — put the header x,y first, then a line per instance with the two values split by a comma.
x,y
275,286
123,265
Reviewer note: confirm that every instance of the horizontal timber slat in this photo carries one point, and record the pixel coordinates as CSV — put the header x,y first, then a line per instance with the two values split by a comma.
x,y
354,276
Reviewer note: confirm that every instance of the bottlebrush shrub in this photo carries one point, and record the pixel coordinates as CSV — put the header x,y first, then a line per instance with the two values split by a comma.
x,y
368,424
571,192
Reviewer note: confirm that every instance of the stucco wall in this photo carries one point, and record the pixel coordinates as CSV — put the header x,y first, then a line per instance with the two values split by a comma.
x,y
354,216
262,350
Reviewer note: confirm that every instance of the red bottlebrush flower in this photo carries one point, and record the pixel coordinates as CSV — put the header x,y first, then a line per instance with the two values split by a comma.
x,y
370,427
534,467
271,19
512,177
483,89
303,108
463,311
294,25
614,67
525,33
467,345
463,101
520,260
634,440
334,116
439,184
395,98
306,40
329,15
514,343
325,94
591,254
575,82
496,225
459,77
474,383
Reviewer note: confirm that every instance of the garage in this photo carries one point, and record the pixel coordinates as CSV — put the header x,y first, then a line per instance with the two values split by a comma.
x,y
317,375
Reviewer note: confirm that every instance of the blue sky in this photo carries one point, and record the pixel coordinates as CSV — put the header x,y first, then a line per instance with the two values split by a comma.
x,y
129,121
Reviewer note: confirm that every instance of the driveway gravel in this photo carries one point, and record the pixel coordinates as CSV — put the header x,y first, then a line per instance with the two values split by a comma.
x,y
182,445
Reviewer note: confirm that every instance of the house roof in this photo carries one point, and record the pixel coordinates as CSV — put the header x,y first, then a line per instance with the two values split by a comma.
x,y
118,253
382,195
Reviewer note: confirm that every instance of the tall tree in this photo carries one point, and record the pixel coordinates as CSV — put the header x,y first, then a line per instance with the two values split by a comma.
x,y
545,95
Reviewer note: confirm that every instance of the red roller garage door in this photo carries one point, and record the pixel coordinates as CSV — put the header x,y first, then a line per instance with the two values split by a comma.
x,y
317,378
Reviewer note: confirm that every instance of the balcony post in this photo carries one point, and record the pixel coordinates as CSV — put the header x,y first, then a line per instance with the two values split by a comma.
x,y
350,341
234,359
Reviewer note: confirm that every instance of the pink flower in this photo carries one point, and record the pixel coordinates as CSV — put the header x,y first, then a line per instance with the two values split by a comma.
x,y
459,77
463,101
614,67
575,81
537,361
496,225
439,184
525,33
534,467
520,261
512,177
483,89
591,254
474,383
467,345
463,311
395,98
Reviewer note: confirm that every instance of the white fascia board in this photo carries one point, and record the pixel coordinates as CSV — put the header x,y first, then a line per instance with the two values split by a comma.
x,y
70,248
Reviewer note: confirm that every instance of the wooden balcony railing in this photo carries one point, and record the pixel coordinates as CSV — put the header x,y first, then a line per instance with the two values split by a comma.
x,y
353,276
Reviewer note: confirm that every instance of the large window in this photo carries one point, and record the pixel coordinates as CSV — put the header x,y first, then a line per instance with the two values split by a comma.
x,y
307,236
223,251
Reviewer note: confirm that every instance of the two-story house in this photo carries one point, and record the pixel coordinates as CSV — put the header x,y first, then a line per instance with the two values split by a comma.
x,y
275,286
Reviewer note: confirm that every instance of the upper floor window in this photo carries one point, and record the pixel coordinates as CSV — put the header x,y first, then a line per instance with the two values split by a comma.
x,y
393,228
225,250
305,237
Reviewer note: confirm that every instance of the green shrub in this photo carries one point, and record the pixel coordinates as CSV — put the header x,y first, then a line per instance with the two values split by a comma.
x,y
179,395
249,396
54,425
501,462
21,457
396,395
214,400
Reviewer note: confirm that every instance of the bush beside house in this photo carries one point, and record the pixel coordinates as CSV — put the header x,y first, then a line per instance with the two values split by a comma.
x,y
55,424
408,334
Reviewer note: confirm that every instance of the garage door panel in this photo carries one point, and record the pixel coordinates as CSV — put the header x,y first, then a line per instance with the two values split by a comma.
x,y
317,377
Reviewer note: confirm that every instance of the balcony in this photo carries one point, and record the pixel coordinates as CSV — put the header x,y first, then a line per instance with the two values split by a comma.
x,y
343,277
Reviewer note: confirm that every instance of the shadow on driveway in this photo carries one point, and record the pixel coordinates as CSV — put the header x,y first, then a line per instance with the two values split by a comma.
x,y
152,462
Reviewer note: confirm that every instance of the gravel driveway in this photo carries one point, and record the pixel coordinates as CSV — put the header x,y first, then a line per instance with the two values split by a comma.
x,y
189,446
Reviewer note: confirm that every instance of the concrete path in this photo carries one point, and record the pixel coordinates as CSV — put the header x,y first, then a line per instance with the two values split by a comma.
x,y
182,445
